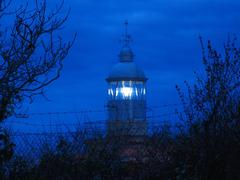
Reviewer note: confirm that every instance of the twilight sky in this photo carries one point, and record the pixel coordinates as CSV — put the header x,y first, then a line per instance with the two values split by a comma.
x,y
166,46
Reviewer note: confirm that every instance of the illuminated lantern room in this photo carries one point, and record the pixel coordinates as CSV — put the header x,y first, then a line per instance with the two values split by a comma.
x,y
126,94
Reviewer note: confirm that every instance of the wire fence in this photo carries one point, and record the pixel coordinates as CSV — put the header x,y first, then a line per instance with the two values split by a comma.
x,y
83,154
38,134
73,145
59,121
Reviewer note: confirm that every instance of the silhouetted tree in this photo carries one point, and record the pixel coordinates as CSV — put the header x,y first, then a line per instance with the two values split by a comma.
x,y
209,145
31,56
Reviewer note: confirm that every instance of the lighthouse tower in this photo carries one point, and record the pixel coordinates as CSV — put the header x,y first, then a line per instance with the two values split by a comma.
x,y
126,94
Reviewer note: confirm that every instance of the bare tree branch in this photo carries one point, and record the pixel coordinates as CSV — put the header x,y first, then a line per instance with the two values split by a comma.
x,y
31,57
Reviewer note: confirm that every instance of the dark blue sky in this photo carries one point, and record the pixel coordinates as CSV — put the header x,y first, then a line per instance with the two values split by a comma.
x,y
166,46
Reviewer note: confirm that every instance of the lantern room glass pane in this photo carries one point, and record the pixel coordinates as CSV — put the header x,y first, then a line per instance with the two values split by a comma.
x,y
127,90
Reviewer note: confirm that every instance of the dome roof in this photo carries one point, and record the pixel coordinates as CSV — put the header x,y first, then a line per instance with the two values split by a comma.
x,y
126,71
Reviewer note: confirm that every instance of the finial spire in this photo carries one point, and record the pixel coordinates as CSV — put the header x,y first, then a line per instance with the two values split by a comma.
x,y
126,54
126,27
126,39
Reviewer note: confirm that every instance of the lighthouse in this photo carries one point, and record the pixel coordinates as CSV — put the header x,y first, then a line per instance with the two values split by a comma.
x,y
126,94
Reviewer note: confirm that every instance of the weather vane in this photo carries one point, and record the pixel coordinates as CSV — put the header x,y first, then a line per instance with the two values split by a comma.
x,y
126,27
126,38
